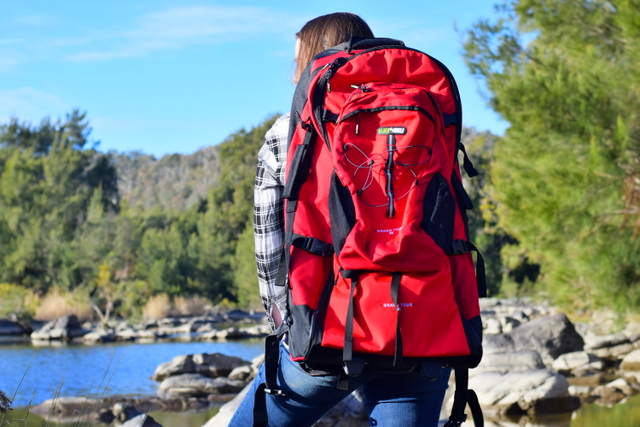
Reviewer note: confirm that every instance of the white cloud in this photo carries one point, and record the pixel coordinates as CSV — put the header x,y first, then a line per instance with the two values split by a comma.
x,y
29,104
36,21
181,27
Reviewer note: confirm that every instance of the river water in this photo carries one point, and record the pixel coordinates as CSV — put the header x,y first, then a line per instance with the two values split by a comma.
x,y
36,374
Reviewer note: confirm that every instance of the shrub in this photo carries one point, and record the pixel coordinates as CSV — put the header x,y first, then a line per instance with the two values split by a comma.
x,y
57,303
158,307
191,306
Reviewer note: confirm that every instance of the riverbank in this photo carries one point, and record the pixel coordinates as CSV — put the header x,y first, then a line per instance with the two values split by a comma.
x,y
548,364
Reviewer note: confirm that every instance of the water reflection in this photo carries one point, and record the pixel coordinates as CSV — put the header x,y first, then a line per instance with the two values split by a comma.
x,y
96,370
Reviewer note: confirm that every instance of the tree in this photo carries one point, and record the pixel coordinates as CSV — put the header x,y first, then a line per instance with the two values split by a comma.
x,y
227,211
566,175
47,180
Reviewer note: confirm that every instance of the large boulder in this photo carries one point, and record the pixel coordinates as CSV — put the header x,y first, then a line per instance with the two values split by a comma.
x,y
198,385
532,392
508,362
498,343
210,365
64,329
550,336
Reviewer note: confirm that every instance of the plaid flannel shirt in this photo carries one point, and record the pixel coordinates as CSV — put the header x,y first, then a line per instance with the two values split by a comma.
x,y
269,218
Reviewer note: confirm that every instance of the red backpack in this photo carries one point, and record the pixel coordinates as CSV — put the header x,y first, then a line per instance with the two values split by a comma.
x,y
377,259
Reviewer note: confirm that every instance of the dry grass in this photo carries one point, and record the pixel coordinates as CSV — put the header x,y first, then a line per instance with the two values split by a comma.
x,y
158,307
57,303
192,306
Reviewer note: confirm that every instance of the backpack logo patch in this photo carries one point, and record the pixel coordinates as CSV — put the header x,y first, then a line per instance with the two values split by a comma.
x,y
392,130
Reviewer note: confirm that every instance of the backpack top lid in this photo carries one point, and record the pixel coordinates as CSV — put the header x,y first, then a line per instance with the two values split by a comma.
x,y
374,60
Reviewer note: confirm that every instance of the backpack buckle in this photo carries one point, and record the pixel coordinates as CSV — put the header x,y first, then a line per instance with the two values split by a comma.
x,y
274,392
317,247
456,423
459,247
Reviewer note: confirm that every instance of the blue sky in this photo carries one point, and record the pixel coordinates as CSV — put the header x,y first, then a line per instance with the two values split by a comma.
x,y
168,76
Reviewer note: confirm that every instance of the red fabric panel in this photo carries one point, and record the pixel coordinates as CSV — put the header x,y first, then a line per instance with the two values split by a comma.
x,y
430,321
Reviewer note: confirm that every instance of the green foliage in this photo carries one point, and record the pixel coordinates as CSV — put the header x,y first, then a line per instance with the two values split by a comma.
x,y
564,180
176,231
245,274
14,301
47,180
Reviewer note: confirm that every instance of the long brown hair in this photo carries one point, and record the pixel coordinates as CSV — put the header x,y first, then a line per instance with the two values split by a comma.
x,y
326,31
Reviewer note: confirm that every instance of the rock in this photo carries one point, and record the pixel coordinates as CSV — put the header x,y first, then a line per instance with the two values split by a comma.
x,y
532,392
237,315
127,415
224,415
100,335
594,342
631,362
616,352
577,361
142,420
210,365
65,328
13,328
622,385
509,362
69,406
491,326
498,343
197,385
550,336
242,373
583,392
233,332
592,379
507,323
610,393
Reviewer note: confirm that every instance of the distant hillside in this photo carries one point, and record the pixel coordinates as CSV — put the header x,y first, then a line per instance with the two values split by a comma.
x,y
174,182
177,181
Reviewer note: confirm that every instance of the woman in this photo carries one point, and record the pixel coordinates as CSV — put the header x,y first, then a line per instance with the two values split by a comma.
x,y
391,399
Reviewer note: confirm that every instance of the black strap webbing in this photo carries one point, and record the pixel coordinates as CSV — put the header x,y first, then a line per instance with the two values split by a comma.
x,y
271,362
300,164
281,275
260,418
467,164
480,271
347,351
461,398
460,247
395,288
312,245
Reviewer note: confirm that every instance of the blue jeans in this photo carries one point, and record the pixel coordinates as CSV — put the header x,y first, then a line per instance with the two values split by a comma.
x,y
391,400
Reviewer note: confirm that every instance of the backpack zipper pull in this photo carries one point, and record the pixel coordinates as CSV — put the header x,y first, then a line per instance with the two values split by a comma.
x,y
363,88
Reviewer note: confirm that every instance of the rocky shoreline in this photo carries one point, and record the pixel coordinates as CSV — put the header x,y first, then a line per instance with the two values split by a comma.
x,y
536,363
233,324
